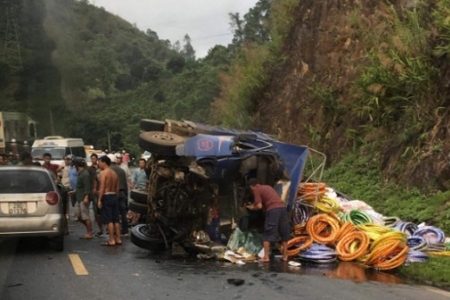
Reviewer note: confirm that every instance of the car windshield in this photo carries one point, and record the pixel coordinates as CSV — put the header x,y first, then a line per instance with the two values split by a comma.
x,y
57,153
24,181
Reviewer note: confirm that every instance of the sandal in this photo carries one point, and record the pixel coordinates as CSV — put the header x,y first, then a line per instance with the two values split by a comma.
x,y
98,234
107,244
86,237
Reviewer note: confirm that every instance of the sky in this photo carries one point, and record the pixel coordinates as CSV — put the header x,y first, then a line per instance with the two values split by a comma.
x,y
206,21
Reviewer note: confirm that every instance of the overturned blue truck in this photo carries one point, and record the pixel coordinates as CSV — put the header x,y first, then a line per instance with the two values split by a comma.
x,y
197,188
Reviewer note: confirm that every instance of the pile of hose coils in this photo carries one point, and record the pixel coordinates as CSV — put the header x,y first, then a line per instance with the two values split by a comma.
x,y
323,234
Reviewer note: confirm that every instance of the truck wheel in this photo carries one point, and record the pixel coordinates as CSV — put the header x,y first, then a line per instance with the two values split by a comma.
x,y
139,196
140,236
137,207
152,125
160,143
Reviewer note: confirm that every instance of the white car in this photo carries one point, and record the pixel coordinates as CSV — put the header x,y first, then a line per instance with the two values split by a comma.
x,y
30,205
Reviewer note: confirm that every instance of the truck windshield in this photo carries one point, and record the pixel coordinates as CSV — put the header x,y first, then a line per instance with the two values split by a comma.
x,y
57,153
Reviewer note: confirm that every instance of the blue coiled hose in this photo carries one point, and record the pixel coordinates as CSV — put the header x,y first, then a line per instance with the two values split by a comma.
x,y
416,256
301,212
406,227
440,236
417,243
318,253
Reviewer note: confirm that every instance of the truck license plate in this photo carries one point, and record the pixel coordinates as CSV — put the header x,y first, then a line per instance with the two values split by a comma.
x,y
18,208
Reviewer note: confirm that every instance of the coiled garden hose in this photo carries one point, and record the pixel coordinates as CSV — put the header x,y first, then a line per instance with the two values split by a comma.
x,y
297,244
425,231
352,246
416,256
323,228
391,221
311,191
318,253
374,231
388,255
356,216
417,243
301,212
407,227
326,204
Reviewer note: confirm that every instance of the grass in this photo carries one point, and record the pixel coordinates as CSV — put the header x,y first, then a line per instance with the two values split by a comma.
x,y
359,177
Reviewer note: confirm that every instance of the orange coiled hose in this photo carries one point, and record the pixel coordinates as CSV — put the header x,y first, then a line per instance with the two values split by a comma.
x,y
323,228
300,229
345,229
311,191
388,255
304,239
353,245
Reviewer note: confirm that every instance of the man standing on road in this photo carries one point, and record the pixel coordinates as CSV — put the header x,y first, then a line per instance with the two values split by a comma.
x,y
276,221
94,172
139,176
65,181
83,194
49,166
108,202
123,192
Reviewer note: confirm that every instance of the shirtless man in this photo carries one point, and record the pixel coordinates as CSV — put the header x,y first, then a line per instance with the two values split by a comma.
x,y
108,202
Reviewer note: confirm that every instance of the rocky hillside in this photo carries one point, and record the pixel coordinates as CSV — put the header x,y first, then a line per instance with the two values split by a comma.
x,y
368,76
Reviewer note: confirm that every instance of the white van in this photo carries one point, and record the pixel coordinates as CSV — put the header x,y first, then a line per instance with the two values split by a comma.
x,y
58,147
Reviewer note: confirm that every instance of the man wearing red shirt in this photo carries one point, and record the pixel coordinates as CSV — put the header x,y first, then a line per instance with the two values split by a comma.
x,y
276,221
49,166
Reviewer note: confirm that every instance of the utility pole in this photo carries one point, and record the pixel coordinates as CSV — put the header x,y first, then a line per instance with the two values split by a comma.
x,y
52,125
109,142
11,50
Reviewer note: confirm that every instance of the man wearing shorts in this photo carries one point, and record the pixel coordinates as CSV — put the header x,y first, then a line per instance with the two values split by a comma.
x,y
276,221
108,201
83,193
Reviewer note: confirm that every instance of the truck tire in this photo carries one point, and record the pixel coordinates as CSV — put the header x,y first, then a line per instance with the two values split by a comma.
x,y
139,196
141,238
138,207
152,125
160,143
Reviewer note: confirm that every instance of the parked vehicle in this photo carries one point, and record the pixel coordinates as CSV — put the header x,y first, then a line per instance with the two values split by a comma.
x,y
30,204
196,169
57,146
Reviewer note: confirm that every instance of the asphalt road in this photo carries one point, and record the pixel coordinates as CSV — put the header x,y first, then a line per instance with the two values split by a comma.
x,y
31,270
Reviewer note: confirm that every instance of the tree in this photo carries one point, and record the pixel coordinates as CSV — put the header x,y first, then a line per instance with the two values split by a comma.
x,y
188,51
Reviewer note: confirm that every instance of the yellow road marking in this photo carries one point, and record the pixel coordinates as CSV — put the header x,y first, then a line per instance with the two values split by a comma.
x,y
78,265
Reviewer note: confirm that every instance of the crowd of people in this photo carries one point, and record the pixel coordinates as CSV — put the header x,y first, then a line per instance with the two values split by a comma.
x,y
105,185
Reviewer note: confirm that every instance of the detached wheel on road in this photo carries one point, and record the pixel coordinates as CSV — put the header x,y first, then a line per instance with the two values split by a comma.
x,y
159,142
139,196
137,207
140,236
152,125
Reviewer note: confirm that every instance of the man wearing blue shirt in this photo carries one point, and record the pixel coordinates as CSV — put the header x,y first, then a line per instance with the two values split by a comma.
x,y
140,177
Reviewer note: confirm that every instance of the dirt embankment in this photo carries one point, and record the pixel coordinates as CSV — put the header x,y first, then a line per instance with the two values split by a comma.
x,y
310,99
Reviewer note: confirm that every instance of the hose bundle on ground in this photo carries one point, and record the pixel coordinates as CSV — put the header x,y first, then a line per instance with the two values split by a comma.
x,y
391,221
345,229
431,234
301,212
389,251
326,204
407,227
311,191
318,253
323,228
297,244
356,216
417,243
416,256
352,246
374,231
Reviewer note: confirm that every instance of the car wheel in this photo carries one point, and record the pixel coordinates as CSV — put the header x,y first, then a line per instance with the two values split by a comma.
x,y
140,236
138,207
139,196
152,125
160,143
57,243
